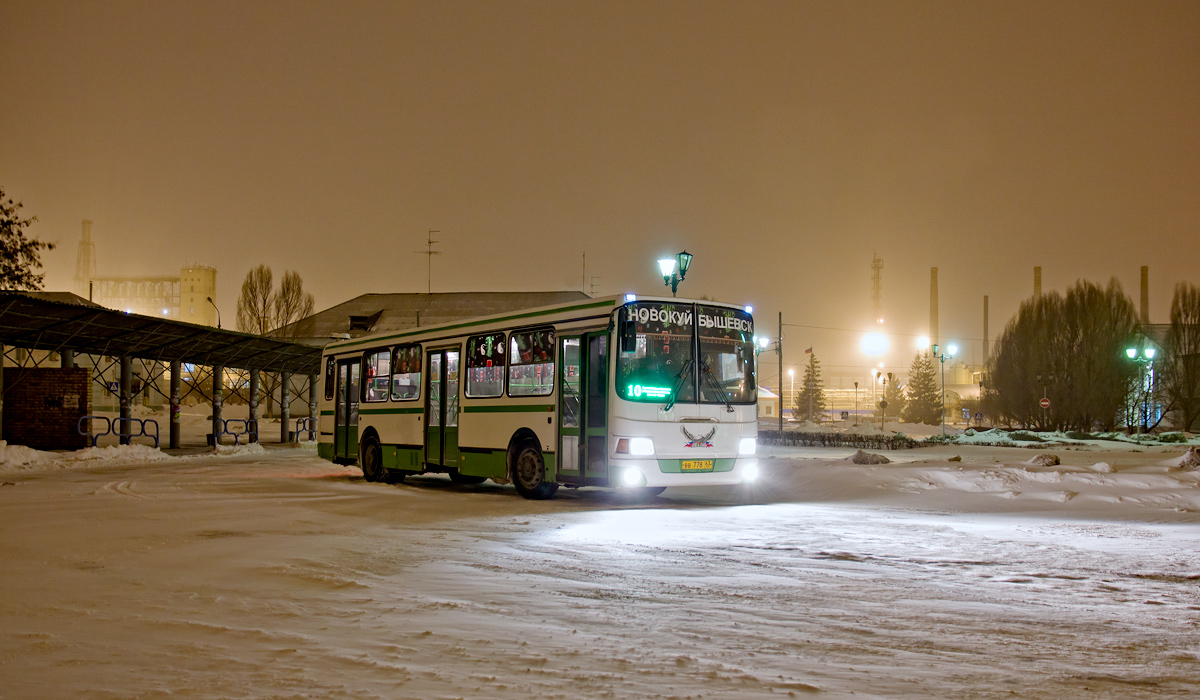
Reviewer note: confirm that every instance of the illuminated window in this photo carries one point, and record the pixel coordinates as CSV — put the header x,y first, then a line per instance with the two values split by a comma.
x,y
376,375
531,363
485,365
406,373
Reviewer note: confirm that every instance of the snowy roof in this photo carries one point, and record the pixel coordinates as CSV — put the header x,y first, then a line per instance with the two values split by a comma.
x,y
373,313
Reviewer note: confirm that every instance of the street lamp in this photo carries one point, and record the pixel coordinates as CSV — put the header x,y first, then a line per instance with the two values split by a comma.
x,y
951,351
675,269
218,311
856,403
1146,357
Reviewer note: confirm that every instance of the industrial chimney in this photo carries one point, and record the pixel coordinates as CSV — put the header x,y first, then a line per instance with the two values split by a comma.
x,y
985,330
1145,295
933,306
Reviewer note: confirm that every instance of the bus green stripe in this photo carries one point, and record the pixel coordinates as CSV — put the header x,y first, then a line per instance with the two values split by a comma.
x,y
379,411
510,408
327,413
431,329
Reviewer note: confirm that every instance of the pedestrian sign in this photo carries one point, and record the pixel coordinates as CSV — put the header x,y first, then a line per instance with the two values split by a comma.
x,y
114,387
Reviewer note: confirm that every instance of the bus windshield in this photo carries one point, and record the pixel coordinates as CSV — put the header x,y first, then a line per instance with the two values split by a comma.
x,y
726,355
657,361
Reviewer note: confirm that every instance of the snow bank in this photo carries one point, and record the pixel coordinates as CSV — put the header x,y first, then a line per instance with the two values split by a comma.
x,y
14,457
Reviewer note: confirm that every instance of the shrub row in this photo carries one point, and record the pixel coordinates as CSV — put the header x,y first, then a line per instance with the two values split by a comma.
x,y
855,440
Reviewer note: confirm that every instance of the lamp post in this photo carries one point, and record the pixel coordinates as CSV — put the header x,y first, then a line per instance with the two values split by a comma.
x,y
951,350
855,403
675,269
792,377
1145,357
214,304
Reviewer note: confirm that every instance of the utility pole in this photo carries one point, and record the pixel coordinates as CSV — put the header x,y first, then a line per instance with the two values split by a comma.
x,y
429,252
779,352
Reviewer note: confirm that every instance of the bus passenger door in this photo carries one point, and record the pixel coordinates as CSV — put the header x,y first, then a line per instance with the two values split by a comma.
x,y
441,408
594,455
345,419
570,410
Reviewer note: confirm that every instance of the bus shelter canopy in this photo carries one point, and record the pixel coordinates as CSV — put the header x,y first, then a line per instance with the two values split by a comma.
x,y
59,321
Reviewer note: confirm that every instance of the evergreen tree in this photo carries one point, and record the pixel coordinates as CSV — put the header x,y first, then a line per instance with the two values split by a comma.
x,y
893,393
19,256
924,403
813,387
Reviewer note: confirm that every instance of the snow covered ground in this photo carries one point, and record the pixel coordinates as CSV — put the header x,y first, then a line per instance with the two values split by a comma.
x,y
268,573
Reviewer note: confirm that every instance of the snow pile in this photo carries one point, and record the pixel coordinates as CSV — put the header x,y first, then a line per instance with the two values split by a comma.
x,y
113,453
1045,460
1189,459
861,457
249,449
16,457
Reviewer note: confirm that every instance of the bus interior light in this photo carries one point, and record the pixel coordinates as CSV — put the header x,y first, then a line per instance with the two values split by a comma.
x,y
748,446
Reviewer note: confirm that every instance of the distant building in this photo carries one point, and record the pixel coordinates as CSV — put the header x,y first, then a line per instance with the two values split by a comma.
x,y
374,313
183,298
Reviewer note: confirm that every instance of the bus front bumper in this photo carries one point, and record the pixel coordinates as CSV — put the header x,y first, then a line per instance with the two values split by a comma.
x,y
653,472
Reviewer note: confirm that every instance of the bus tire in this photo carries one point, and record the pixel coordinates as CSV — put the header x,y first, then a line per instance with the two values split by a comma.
x,y
371,459
529,473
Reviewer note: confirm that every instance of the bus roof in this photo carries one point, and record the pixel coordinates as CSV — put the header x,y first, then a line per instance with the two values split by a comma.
x,y
530,316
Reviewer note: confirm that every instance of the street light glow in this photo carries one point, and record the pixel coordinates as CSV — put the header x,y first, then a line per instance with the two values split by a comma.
x,y
951,350
873,344
667,265
923,343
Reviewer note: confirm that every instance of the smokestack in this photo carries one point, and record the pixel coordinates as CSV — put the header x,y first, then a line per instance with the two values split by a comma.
x,y
985,330
1145,295
1037,282
933,310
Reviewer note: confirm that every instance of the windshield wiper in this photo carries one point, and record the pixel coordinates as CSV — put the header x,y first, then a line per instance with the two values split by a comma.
x,y
679,383
716,385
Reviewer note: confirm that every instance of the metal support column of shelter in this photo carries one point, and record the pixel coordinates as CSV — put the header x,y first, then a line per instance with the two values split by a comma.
x,y
126,396
217,423
1,389
252,400
285,400
312,405
176,399
68,359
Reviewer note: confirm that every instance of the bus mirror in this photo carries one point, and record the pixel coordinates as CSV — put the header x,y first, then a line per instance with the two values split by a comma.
x,y
628,335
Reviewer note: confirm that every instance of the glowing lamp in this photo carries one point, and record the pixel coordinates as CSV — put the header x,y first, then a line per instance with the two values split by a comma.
x,y
1131,352
667,266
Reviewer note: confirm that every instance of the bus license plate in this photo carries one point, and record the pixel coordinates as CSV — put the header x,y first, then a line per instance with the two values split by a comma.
x,y
697,465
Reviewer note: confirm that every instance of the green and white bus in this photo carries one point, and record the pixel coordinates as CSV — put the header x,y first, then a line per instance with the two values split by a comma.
x,y
636,394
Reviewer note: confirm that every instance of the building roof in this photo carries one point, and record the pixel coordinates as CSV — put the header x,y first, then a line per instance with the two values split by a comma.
x,y
374,313
58,321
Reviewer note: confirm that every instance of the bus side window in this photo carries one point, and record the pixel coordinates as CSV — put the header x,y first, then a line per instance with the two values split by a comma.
x,y
330,374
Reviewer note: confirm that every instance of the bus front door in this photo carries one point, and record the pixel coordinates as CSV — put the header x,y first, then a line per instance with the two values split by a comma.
x,y
583,409
441,408
345,421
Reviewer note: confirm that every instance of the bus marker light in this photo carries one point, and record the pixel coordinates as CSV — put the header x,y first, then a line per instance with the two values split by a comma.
x,y
750,472
633,477
630,297
748,446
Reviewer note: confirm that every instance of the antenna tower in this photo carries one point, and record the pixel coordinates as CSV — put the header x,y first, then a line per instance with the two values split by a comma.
x,y
429,252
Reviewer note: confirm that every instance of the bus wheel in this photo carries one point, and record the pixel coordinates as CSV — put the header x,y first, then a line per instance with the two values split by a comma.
x,y
372,460
458,478
529,473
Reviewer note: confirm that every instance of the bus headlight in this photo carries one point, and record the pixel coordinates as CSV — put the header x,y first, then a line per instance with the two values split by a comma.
x,y
632,476
750,472
748,446
641,447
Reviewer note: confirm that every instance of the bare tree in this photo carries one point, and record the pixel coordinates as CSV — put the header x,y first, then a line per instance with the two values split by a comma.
x,y
262,309
1181,368
1071,349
